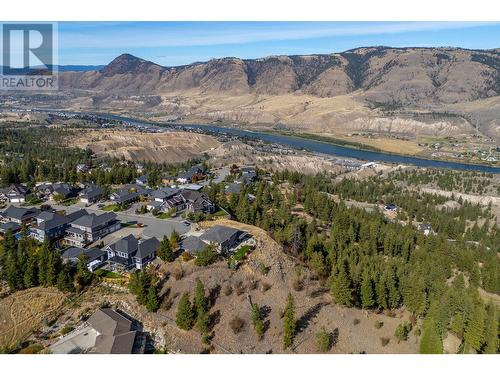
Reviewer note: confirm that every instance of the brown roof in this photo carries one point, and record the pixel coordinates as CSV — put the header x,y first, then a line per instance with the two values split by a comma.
x,y
108,322
121,344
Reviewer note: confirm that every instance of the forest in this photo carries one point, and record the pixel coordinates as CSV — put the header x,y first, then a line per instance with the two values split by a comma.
x,y
374,263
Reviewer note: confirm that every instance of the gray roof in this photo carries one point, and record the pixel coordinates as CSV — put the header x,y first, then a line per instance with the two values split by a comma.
x,y
233,188
126,244
14,227
17,188
73,253
193,244
164,193
93,220
147,248
92,191
220,234
51,221
77,214
19,213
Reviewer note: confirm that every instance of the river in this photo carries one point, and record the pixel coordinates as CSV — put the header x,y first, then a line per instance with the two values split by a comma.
x,y
303,144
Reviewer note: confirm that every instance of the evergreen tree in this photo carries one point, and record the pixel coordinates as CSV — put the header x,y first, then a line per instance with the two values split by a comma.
x,y
64,280
430,343
83,276
200,300
185,314
367,295
289,322
152,300
30,276
341,288
474,330
257,320
492,342
165,251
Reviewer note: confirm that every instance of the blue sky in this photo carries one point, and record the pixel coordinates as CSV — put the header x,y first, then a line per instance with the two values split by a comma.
x,y
177,43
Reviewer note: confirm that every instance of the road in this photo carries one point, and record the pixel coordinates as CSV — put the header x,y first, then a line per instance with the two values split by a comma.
x,y
153,227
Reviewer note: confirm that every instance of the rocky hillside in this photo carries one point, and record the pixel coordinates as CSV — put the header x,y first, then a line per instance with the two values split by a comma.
x,y
381,75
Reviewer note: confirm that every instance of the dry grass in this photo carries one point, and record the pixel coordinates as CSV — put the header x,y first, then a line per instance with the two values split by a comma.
x,y
22,312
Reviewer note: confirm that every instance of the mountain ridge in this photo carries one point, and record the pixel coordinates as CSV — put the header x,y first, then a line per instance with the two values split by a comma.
x,y
397,76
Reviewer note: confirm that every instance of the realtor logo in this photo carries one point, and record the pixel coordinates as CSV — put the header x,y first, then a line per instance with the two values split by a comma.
x,y
28,56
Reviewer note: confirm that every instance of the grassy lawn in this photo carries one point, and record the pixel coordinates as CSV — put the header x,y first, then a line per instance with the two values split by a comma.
x,y
242,252
69,202
164,215
116,207
108,274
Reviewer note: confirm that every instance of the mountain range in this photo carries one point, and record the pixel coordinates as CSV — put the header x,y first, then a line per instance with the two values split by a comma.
x,y
395,76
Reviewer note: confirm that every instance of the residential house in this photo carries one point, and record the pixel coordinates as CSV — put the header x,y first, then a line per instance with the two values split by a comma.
x,y
193,173
90,228
19,215
193,245
13,227
94,258
51,191
124,196
91,194
225,239
189,201
15,193
82,168
233,188
391,207
142,180
129,252
106,331
49,226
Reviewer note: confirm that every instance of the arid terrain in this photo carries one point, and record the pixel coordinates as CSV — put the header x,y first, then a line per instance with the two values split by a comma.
x,y
23,312
396,99
170,147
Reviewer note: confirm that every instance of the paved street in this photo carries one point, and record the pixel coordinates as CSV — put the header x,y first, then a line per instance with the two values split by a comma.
x,y
153,227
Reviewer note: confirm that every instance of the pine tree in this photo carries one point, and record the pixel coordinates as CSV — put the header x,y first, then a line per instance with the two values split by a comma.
x,y
30,276
200,300
367,295
289,322
152,300
64,280
165,251
185,314
174,239
257,320
414,296
430,343
492,341
474,330
341,288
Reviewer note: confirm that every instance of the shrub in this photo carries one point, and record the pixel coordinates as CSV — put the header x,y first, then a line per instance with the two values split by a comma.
x,y
206,257
263,269
323,340
379,324
237,324
186,257
355,321
265,287
384,341
402,331
227,290
66,329
178,273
